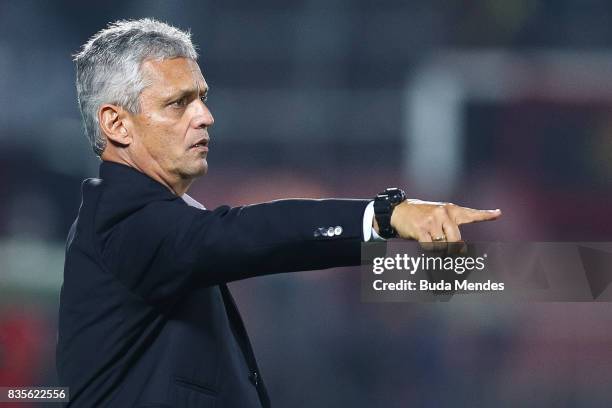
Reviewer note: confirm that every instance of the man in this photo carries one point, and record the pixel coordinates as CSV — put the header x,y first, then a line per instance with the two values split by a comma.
x,y
146,318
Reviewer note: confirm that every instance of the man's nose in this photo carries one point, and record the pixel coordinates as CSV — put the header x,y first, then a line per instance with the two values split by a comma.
x,y
204,117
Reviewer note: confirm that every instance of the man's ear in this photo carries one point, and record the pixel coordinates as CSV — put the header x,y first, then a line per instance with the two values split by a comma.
x,y
112,119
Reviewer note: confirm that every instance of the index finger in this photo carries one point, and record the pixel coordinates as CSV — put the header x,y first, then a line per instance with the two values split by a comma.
x,y
464,215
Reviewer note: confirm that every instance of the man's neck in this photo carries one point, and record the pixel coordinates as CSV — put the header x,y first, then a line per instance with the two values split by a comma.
x,y
177,186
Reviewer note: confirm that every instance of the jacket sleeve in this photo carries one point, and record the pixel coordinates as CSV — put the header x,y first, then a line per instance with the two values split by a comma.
x,y
168,246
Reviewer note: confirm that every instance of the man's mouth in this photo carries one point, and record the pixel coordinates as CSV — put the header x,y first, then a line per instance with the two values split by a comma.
x,y
201,145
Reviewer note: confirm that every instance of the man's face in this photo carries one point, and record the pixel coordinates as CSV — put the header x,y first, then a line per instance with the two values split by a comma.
x,y
170,134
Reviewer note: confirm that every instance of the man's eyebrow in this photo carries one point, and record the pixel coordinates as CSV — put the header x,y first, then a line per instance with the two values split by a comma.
x,y
181,93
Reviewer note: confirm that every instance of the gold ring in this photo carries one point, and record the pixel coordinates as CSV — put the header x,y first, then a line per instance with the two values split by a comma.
x,y
441,238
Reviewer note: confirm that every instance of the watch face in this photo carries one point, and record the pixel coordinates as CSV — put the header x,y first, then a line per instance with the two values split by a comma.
x,y
395,195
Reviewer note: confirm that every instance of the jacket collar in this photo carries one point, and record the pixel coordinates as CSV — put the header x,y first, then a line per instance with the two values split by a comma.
x,y
133,182
121,191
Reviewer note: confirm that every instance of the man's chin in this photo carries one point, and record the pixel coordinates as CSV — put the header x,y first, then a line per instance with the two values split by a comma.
x,y
197,170
203,167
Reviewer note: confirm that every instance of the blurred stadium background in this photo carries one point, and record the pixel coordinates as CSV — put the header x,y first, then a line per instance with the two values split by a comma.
x,y
489,103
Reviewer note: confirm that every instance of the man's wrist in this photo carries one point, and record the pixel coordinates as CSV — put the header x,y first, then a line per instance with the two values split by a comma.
x,y
384,205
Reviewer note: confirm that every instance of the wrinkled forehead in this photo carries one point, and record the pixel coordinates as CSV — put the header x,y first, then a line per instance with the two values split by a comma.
x,y
166,76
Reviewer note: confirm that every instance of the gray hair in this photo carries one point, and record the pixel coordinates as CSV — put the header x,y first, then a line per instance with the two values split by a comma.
x,y
108,67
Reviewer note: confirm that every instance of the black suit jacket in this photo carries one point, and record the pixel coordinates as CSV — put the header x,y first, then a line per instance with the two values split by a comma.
x,y
146,319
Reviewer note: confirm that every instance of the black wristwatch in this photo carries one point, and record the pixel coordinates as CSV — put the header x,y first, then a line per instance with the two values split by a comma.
x,y
384,203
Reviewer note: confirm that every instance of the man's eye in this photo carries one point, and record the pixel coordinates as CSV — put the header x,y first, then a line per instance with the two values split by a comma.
x,y
204,98
179,103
